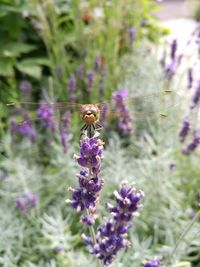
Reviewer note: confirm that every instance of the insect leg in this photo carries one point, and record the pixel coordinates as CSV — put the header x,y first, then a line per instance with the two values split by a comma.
x,y
83,127
90,131
83,130
98,126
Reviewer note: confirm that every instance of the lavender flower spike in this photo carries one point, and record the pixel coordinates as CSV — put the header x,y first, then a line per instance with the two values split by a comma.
x,y
72,87
25,87
90,80
184,130
24,129
196,97
153,263
46,114
125,118
132,32
170,69
26,202
190,78
86,196
173,49
111,236
192,146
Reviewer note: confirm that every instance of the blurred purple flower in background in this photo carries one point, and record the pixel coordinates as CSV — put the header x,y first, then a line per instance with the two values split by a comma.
x,y
125,121
64,130
172,166
191,213
111,237
132,33
80,71
59,249
25,87
25,90
190,78
72,88
192,146
26,202
46,115
184,130
90,79
25,129
86,196
173,49
196,96
174,62
155,262
170,69
97,63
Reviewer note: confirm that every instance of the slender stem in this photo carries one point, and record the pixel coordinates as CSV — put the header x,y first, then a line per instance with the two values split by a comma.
x,y
187,229
92,232
91,228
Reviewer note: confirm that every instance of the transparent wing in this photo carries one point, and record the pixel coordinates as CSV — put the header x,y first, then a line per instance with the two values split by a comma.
x,y
54,105
143,105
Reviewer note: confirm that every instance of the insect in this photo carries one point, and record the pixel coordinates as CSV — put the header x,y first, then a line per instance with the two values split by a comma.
x,y
92,114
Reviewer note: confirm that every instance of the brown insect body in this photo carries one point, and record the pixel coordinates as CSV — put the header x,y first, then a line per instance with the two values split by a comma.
x,y
90,114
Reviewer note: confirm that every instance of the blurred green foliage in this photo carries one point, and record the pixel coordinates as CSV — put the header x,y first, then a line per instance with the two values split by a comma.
x,y
42,39
197,11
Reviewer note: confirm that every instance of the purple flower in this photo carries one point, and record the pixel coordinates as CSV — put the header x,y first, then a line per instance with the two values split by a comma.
x,y
191,214
153,263
64,130
132,32
25,87
125,123
90,154
184,130
25,129
192,146
46,115
190,78
111,236
72,88
173,49
86,196
170,69
80,71
26,202
97,63
172,166
196,97
90,79
59,249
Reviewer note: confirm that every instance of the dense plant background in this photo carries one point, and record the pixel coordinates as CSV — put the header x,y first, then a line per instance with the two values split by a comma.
x,y
83,51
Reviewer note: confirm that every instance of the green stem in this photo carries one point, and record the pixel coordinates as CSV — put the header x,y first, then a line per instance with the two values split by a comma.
x,y
185,233
91,228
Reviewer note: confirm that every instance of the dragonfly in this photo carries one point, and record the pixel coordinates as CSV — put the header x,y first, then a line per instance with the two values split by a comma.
x,y
92,114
